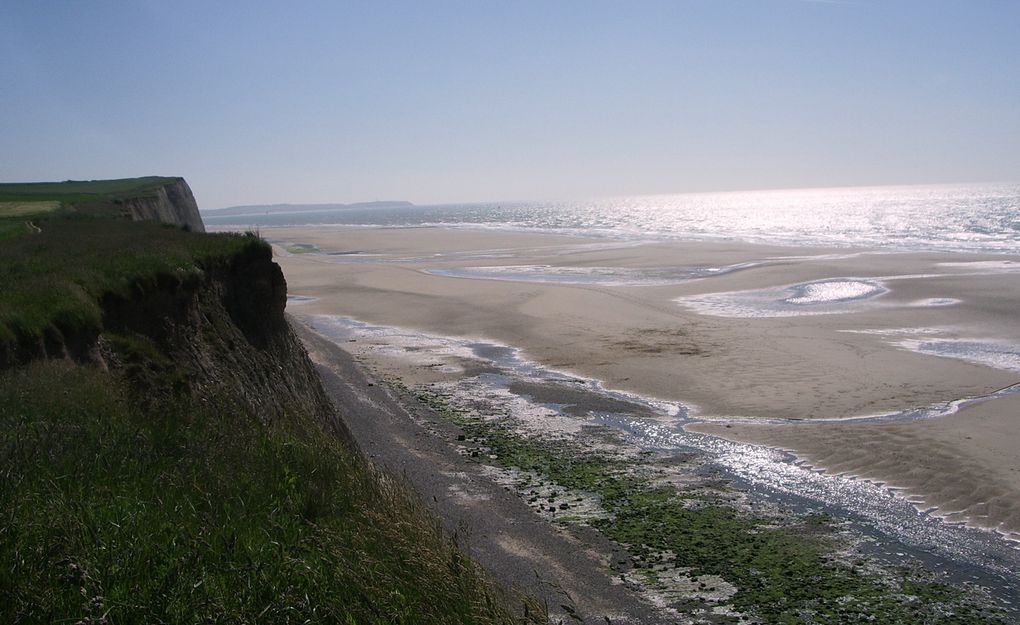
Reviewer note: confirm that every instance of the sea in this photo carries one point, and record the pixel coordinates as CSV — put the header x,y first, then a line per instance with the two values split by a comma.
x,y
979,218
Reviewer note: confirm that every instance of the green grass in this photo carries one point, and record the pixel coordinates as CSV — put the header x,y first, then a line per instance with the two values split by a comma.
x,y
73,191
93,197
25,209
53,280
199,513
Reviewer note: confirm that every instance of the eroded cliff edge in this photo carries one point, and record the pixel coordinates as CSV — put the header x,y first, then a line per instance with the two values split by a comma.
x,y
220,333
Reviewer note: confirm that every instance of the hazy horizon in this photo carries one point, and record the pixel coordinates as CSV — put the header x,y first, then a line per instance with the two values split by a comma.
x,y
975,183
469,102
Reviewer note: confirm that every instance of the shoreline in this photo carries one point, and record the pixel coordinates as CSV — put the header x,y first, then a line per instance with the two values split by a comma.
x,y
507,448
637,338
978,499
493,525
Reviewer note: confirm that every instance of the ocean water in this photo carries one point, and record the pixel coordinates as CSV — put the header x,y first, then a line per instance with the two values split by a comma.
x,y
962,218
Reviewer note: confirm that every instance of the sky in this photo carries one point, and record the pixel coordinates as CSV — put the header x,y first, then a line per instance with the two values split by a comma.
x,y
267,102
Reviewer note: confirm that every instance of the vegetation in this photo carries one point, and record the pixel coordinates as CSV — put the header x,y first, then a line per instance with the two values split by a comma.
x,y
22,204
53,279
77,191
23,209
196,512
784,570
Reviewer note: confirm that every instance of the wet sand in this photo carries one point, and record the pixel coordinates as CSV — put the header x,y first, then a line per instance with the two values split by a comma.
x,y
965,467
641,339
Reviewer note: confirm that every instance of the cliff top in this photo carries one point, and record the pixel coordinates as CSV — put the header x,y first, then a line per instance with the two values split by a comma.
x,y
61,254
74,191
151,198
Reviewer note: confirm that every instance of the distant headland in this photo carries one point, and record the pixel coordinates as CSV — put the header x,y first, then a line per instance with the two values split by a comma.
x,y
264,209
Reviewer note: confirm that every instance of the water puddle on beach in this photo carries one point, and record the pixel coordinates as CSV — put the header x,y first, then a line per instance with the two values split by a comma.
x,y
498,379
600,276
819,297
827,296
944,342
990,353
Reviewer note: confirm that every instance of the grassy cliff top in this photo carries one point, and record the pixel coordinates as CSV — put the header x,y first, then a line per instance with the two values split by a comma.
x,y
23,203
57,262
72,191
52,280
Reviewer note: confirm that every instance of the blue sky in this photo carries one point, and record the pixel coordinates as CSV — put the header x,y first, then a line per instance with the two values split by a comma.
x,y
257,102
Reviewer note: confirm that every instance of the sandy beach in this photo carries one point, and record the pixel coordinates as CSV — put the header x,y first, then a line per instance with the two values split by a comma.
x,y
740,346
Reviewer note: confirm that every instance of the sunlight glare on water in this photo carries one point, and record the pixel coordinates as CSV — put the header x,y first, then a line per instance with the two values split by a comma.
x,y
977,217
832,291
838,295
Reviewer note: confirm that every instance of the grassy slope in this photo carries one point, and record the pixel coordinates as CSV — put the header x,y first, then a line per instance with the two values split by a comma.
x,y
188,511
192,513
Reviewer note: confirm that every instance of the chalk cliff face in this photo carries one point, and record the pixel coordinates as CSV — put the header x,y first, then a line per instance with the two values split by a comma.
x,y
170,204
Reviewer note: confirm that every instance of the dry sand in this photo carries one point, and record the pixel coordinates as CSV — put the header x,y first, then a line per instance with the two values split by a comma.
x,y
638,338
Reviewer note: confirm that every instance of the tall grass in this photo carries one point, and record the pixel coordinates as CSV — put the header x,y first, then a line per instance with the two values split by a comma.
x,y
52,280
199,513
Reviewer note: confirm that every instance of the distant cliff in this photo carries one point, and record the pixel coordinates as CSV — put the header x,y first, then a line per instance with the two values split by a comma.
x,y
172,203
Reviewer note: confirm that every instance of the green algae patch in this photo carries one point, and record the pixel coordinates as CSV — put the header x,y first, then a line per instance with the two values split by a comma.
x,y
690,543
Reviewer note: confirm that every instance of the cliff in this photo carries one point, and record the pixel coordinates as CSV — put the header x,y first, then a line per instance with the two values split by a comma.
x,y
222,334
168,451
173,312
172,203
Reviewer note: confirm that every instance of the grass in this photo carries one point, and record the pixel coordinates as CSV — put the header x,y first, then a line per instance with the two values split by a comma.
x,y
199,513
25,209
74,191
784,572
53,280
20,200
